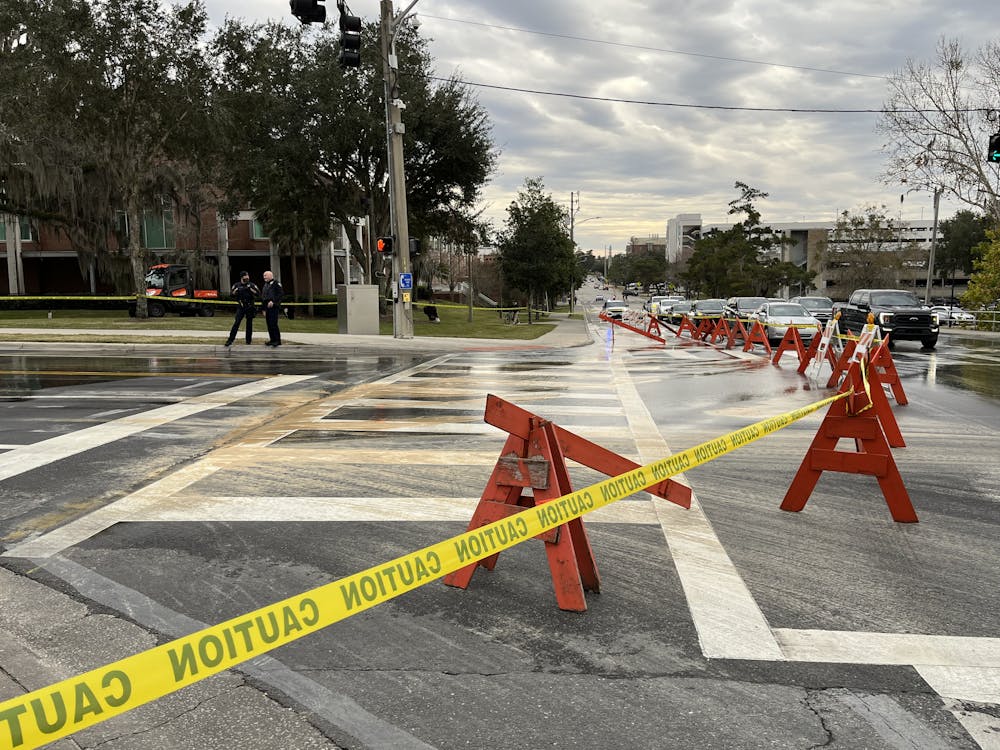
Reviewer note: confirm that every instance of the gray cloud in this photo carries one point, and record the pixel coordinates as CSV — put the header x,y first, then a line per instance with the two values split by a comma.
x,y
636,165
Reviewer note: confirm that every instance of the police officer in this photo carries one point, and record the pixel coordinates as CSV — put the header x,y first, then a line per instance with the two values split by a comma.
x,y
270,297
245,292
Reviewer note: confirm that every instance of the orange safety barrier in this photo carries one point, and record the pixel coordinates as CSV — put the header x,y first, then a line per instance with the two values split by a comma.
x,y
757,336
648,331
883,362
819,351
719,330
535,456
687,325
736,331
704,329
852,417
792,340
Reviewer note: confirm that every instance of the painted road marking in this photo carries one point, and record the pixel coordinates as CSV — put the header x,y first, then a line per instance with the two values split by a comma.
x,y
729,622
103,518
44,452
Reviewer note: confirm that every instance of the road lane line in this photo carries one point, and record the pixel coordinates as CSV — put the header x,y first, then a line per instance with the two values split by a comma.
x,y
858,647
103,518
729,622
44,452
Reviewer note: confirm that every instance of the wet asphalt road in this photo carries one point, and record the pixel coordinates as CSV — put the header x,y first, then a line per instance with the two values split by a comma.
x,y
258,497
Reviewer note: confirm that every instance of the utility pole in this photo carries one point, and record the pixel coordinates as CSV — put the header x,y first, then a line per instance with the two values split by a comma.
x,y
401,283
930,260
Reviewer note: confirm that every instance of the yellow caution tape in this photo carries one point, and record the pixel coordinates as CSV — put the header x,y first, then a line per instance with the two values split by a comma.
x,y
17,298
45,715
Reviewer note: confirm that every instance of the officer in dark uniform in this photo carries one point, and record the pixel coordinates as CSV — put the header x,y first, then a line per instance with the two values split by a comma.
x,y
270,298
245,293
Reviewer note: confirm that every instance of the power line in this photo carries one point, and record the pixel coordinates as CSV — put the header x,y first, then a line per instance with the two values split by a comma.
x,y
655,49
705,106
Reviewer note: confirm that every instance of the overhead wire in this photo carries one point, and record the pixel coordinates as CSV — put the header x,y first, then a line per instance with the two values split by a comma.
x,y
718,107
616,100
655,49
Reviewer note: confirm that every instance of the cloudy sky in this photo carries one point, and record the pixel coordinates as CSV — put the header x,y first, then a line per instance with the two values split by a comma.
x,y
637,165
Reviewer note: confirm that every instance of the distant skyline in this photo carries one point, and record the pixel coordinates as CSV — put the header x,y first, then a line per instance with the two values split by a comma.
x,y
637,165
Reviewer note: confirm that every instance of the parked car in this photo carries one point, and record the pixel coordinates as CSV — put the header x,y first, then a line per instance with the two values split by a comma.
x,y
820,308
952,315
777,317
744,307
652,306
708,308
614,308
674,312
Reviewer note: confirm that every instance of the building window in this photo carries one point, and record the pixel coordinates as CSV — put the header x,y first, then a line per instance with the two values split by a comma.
x,y
158,229
26,234
257,232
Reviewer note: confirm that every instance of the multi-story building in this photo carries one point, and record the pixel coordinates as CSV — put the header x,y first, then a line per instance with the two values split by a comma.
x,y
804,242
37,260
648,244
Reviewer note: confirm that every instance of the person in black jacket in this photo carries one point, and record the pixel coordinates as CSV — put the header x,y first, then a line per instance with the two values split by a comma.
x,y
270,297
245,293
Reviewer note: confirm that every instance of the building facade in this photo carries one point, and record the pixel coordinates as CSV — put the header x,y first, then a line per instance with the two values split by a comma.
x,y
37,260
806,240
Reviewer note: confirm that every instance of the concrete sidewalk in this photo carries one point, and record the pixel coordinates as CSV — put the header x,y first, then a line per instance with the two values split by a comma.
x,y
568,333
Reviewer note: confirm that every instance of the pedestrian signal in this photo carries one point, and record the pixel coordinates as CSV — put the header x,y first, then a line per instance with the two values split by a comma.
x,y
384,245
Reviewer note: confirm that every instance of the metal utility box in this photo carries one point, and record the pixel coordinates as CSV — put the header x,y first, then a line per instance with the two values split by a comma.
x,y
357,309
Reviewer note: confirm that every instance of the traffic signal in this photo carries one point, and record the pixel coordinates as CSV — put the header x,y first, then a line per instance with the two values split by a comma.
x,y
385,245
414,247
308,11
350,41
993,155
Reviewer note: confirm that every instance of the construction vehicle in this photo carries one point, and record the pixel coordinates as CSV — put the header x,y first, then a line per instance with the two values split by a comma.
x,y
173,290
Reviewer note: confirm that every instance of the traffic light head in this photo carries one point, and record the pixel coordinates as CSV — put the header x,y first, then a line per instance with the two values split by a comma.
x,y
350,41
308,11
414,247
993,155
384,245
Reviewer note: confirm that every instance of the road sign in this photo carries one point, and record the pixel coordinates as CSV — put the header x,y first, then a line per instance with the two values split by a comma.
x,y
406,281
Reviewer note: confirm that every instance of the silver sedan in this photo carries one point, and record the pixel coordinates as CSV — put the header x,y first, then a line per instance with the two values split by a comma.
x,y
778,317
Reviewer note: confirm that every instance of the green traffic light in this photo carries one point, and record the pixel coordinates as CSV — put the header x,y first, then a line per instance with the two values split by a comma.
x,y
994,156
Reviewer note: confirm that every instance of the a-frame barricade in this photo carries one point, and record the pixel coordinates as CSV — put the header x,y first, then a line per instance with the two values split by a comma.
x,y
821,348
687,325
704,329
720,330
791,341
883,362
852,417
757,336
842,363
535,456
648,331
736,331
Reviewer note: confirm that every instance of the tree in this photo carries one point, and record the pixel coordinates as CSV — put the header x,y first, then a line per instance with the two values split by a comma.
x,y
123,93
984,287
741,260
960,235
938,120
536,252
864,250
315,147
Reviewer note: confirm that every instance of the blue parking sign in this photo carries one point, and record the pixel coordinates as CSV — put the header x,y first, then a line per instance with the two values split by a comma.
x,y
406,281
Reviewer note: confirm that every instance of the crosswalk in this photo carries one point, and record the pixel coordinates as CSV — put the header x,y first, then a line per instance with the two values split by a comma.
x,y
413,447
